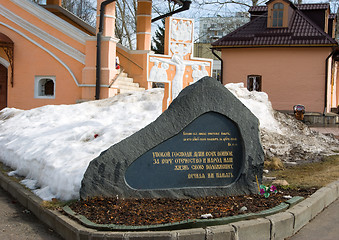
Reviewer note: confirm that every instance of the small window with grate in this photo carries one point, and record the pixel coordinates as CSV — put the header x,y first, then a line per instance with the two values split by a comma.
x,y
254,83
44,87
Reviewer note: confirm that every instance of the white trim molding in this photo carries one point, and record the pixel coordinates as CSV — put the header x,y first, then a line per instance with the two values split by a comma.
x,y
43,48
51,19
109,39
119,45
147,33
53,55
4,62
53,41
107,16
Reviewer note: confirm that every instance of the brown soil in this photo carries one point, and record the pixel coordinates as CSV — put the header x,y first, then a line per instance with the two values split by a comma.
x,y
136,212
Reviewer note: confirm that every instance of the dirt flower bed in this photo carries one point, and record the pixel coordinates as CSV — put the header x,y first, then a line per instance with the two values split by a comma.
x,y
136,212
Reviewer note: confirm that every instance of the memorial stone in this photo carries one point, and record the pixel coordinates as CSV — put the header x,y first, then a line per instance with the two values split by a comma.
x,y
205,144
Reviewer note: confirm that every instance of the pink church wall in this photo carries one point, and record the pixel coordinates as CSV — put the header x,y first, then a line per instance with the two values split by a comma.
x,y
36,62
69,55
31,60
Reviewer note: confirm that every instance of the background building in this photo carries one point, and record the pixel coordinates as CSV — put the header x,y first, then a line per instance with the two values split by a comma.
x,y
288,51
213,28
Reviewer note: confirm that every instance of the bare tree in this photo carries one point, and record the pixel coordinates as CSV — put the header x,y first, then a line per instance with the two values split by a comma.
x,y
39,1
125,24
84,9
126,20
245,3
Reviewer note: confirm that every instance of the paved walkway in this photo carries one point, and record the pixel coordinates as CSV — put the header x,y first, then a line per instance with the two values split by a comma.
x,y
324,226
334,129
17,223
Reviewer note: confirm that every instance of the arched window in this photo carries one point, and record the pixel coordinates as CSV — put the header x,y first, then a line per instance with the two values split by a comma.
x,y
278,13
44,87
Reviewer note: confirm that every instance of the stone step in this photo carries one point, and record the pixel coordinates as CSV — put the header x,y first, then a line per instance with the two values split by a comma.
x,y
122,90
128,88
124,79
123,74
125,84
328,119
122,82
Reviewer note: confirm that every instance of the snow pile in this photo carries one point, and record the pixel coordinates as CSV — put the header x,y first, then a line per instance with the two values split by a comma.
x,y
51,146
282,135
259,105
298,143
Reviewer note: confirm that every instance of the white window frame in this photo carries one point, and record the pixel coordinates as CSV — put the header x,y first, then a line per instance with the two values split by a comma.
x,y
38,87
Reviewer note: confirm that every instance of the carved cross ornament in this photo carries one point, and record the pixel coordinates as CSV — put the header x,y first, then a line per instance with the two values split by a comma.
x,y
177,68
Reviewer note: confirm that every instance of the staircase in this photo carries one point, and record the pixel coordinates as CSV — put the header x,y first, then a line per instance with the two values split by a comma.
x,y
321,119
125,84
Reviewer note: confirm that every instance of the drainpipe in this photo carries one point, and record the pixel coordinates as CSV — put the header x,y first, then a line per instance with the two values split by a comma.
x,y
99,35
222,64
185,6
326,79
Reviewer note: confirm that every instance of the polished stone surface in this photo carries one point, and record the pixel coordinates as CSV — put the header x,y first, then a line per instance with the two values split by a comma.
x,y
110,174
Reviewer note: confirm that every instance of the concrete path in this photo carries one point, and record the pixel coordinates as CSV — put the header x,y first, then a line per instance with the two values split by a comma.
x,y
17,223
324,226
333,129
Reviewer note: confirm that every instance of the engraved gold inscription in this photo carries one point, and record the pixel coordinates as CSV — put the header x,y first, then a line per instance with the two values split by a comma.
x,y
201,164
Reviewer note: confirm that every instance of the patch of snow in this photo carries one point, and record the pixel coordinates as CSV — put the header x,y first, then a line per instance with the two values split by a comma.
x,y
282,135
206,216
31,184
259,105
51,146
287,197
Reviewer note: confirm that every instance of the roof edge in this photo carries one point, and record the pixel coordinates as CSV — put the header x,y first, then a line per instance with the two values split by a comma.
x,y
52,20
72,17
272,46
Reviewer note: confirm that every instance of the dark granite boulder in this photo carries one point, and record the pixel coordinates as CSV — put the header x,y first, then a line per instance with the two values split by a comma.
x,y
205,144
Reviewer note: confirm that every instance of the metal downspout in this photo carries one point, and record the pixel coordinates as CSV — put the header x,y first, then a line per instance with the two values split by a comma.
x,y
222,64
99,35
185,6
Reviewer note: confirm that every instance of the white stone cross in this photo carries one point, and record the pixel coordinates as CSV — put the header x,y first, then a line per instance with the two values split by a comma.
x,y
179,57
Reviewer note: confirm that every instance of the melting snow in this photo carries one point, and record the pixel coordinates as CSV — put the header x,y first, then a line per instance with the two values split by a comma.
x,y
51,146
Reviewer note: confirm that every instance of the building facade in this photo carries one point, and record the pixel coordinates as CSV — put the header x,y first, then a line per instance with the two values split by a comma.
x,y
287,51
49,56
213,28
